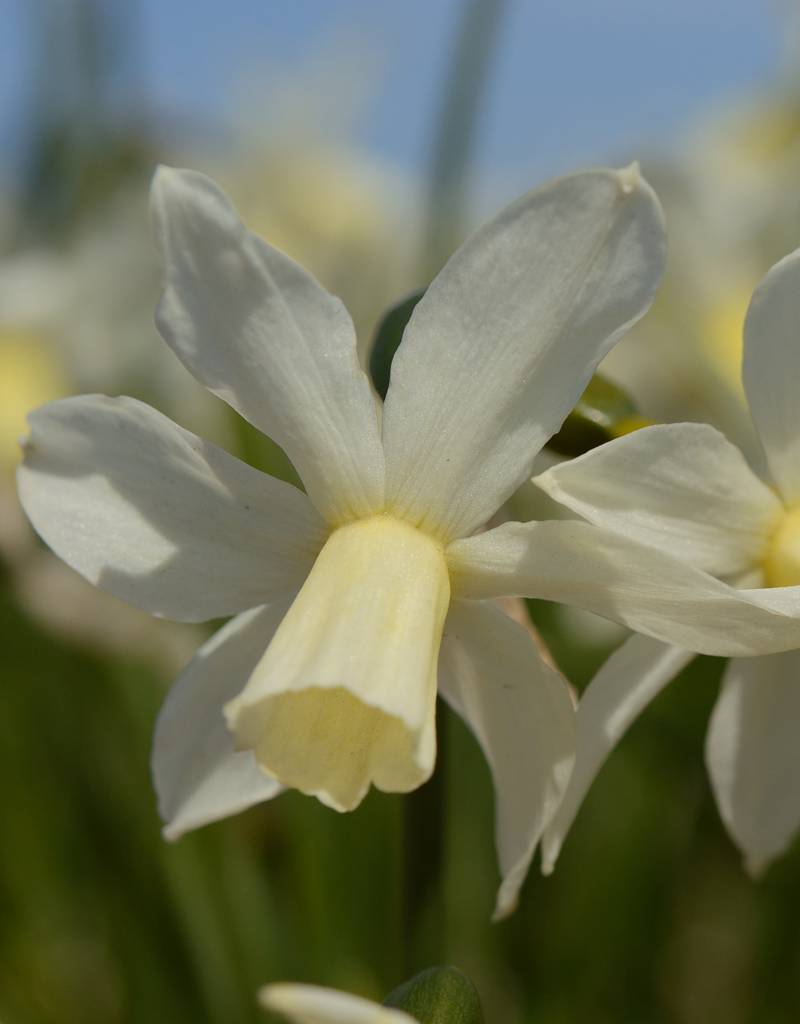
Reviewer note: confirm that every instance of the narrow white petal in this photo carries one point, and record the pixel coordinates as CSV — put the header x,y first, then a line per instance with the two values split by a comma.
x,y
260,332
159,517
311,1004
345,695
198,775
634,674
753,755
628,582
506,338
771,370
521,713
682,487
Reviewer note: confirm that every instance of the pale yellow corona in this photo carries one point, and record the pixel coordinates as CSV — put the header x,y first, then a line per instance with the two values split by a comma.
x,y
782,564
345,694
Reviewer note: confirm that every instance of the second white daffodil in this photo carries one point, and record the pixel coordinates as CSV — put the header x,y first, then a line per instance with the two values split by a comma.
x,y
351,602
688,490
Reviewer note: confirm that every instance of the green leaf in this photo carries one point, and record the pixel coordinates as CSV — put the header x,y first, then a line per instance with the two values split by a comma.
x,y
387,339
438,995
604,411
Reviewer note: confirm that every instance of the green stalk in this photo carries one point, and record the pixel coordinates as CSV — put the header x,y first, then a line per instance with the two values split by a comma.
x,y
454,133
453,138
423,858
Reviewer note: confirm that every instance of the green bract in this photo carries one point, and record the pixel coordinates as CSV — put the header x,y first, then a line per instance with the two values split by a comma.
x,y
604,411
439,995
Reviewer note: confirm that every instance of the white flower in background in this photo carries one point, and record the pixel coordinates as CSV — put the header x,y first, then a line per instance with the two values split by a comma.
x,y
730,188
686,489
352,601
331,210
312,1004
91,301
47,590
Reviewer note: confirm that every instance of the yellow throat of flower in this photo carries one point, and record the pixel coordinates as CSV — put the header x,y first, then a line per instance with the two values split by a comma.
x,y
344,696
782,564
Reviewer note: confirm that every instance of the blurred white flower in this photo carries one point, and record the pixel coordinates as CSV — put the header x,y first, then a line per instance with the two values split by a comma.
x,y
733,211
686,489
341,216
90,298
350,603
30,374
312,1004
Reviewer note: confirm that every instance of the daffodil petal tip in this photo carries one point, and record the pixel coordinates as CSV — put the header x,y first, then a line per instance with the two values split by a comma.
x,y
629,178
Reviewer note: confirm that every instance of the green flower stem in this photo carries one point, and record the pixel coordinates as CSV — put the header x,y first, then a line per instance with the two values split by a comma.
x,y
455,129
424,810
423,860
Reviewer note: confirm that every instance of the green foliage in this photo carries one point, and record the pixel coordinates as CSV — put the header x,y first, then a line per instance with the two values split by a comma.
x,y
604,411
648,916
438,995
387,339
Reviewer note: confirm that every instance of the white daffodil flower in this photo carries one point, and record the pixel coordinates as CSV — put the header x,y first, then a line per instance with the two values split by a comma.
x,y
686,489
312,1004
353,600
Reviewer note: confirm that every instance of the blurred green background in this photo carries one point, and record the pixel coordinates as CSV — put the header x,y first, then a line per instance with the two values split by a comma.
x,y
649,917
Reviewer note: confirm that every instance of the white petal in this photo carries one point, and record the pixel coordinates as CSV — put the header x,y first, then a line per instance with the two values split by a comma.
x,y
311,1004
506,338
753,755
628,582
634,674
682,487
345,695
198,775
261,333
521,713
159,517
771,370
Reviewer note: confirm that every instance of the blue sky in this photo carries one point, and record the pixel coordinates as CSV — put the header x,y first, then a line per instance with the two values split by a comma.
x,y
574,81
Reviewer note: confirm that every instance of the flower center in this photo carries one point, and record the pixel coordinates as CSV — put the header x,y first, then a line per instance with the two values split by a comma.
x,y
782,564
345,694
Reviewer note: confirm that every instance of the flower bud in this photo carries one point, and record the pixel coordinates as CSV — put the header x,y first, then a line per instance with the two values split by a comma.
x,y
438,995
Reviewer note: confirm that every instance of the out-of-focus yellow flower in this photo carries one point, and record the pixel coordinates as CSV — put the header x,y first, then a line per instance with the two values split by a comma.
x,y
769,135
33,370
30,374
317,196
721,331
337,213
